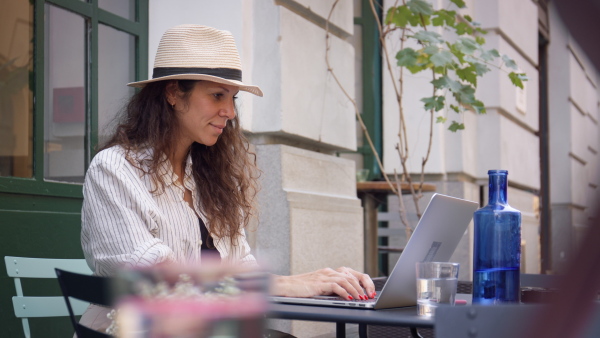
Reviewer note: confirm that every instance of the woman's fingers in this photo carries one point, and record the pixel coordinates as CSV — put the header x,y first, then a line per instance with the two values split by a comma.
x,y
340,291
362,279
349,284
344,282
367,284
355,279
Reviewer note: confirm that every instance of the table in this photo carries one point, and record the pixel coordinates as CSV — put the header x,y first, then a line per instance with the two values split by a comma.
x,y
405,316
372,193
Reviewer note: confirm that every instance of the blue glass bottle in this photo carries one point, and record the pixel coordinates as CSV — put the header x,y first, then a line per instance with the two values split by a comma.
x,y
497,246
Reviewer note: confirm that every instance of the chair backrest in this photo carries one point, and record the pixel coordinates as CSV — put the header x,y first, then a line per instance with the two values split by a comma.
x,y
52,306
92,289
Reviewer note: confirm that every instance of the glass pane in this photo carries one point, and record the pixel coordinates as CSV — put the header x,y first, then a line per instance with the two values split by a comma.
x,y
64,93
16,97
116,68
124,8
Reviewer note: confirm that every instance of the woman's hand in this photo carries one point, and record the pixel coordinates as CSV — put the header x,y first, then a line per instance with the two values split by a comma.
x,y
345,282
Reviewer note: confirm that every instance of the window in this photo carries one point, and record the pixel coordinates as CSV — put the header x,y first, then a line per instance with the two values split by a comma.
x,y
16,96
63,71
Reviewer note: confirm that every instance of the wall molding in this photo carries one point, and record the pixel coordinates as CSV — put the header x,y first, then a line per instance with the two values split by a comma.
x,y
309,15
504,113
514,45
577,158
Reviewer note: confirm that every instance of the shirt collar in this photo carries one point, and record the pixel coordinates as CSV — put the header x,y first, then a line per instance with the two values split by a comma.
x,y
168,175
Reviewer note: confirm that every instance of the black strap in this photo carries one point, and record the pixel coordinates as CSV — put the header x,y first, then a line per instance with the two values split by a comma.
x,y
208,245
225,73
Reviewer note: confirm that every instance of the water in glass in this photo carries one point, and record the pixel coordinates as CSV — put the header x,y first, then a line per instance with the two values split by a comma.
x,y
434,291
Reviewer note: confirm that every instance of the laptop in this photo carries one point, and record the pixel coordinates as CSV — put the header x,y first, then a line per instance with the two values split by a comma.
x,y
434,239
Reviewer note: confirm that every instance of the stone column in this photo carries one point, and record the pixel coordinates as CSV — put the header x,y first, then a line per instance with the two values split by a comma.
x,y
310,217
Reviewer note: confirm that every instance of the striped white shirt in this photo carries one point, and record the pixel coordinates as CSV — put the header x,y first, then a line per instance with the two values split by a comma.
x,y
125,224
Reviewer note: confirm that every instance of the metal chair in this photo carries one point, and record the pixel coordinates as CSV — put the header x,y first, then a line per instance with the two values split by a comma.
x,y
92,289
26,307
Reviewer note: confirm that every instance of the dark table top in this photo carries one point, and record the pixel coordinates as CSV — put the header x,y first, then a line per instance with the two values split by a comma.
x,y
405,316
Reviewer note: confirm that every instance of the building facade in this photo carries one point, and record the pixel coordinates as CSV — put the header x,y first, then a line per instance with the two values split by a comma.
x,y
64,68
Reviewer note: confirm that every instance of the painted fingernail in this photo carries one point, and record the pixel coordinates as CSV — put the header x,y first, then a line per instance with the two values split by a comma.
x,y
350,298
373,294
363,297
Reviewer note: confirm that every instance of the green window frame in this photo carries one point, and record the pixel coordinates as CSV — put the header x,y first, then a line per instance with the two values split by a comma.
x,y
371,86
93,15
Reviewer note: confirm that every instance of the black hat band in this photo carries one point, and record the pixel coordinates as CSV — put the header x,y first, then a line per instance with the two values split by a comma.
x,y
225,73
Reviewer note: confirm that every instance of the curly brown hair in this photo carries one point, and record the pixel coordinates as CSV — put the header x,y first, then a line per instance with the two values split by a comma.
x,y
225,173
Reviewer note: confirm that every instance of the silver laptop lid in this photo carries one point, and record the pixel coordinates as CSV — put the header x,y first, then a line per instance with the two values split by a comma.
x,y
435,238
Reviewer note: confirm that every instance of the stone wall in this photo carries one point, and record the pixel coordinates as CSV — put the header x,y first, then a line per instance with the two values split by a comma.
x,y
574,143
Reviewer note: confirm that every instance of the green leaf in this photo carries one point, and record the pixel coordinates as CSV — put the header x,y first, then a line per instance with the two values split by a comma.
x,y
444,17
435,102
468,18
440,70
467,45
480,40
431,49
517,79
468,74
441,58
471,59
463,28
431,37
440,119
459,3
399,16
455,126
438,21
415,20
489,55
456,51
478,107
420,7
465,95
455,108
417,68
481,68
389,17
407,57
510,63
446,82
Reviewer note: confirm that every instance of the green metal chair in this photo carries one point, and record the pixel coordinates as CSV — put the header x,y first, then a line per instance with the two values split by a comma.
x,y
26,307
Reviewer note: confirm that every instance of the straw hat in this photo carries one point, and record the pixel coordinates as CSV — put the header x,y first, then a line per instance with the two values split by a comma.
x,y
194,52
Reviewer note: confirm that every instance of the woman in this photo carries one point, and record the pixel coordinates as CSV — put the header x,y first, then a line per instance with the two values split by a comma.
x,y
177,179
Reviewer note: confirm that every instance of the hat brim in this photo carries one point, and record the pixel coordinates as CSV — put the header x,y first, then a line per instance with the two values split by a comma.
x,y
250,89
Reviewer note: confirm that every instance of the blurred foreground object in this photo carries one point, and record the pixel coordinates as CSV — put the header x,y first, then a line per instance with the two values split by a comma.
x,y
570,310
213,300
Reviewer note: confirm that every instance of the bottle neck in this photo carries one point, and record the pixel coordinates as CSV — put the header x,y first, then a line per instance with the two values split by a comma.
x,y
497,186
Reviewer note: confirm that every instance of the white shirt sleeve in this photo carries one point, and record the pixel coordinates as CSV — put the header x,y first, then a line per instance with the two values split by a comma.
x,y
117,218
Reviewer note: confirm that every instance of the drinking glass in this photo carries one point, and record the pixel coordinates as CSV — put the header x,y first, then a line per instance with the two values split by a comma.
x,y
436,284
